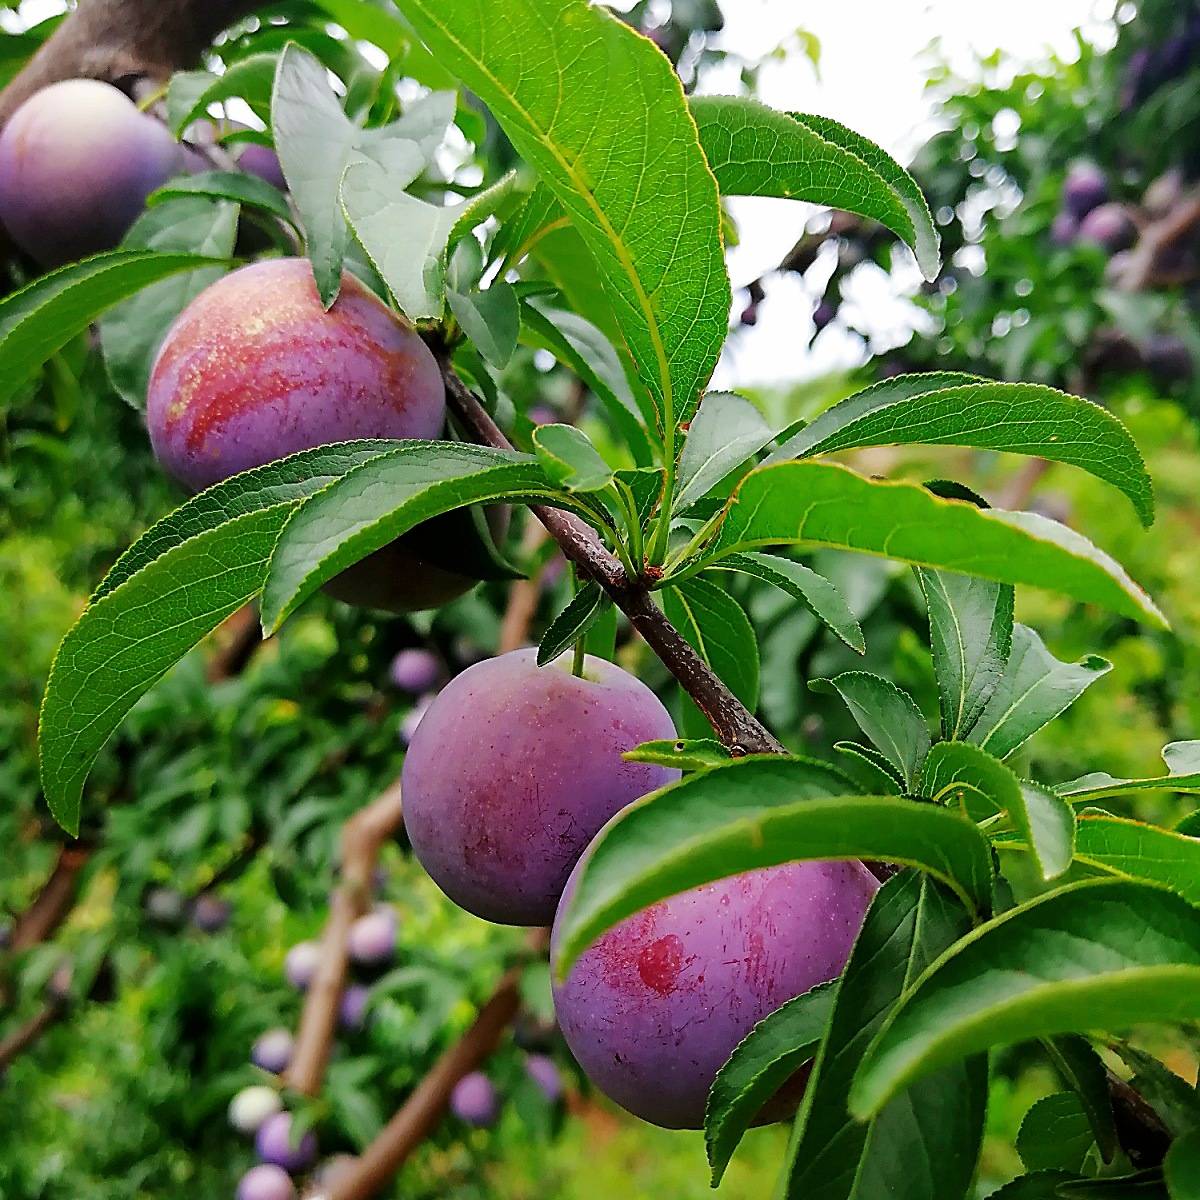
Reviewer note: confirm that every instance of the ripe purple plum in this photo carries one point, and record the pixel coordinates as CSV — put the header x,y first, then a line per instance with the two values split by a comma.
x,y
266,1182
415,670
823,315
512,771
274,1144
210,914
273,1051
301,964
263,162
1085,187
653,1009
372,938
474,1100
77,161
252,1106
1110,227
1064,229
352,1009
543,1070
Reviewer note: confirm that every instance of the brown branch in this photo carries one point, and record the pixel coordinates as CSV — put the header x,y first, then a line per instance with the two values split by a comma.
x,y
237,640
121,41
362,836
1156,238
1140,1130
17,1042
39,922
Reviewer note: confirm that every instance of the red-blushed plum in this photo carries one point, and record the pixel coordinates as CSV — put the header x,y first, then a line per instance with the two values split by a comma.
x,y
372,938
252,1106
474,1100
653,1009
352,1009
266,1182
273,1051
77,161
301,964
512,771
274,1144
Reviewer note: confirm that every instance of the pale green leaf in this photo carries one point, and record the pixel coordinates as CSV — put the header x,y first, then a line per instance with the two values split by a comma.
x,y
724,433
491,319
1183,765
191,92
569,458
685,754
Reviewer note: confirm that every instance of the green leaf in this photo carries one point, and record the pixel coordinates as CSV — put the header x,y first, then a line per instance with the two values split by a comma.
x,y
191,92
491,319
923,1146
1043,819
238,186
686,754
827,504
1055,1133
717,628
887,716
131,333
1083,1070
1183,766
765,1059
600,641
285,481
758,812
1041,1185
819,595
1033,690
631,176
970,634
959,410
755,151
724,433
1142,1185
1097,955
572,623
128,639
40,319
1139,851
373,504
1173,1098
569,458
881,775
1182,1167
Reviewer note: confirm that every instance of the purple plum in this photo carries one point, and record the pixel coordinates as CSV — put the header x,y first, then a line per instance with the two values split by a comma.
x,y
266,1182
823,315
252,1106
1110,227
1064,229
654,1008
416,670
512,771
352,1009
543,1070
77,161
542,414
474,1100
263,162
210,913
273,1051
1085,187
274,1144
301,964
372,937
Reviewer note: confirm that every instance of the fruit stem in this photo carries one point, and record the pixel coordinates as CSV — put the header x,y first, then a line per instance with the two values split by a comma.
x,y
577,659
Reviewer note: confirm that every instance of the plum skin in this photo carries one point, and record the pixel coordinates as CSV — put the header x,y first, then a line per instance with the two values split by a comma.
x,y
252,1106
273,1051
77,161
266,1182
514,768
301,964
273,1144
474,1100
655,1006
372,938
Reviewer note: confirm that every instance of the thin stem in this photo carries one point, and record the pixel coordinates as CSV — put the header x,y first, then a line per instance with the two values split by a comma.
x,y
577,658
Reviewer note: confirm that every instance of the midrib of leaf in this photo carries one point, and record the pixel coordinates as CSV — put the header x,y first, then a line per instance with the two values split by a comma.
x,y
701,647
601,216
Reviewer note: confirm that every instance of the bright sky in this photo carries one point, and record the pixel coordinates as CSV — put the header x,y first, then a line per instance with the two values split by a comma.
x,y
874,56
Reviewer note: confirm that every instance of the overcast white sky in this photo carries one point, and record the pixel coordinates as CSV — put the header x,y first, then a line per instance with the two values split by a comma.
x,y
874,56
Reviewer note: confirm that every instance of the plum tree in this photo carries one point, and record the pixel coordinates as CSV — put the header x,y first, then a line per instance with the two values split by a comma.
x,y
252,1106
474,1100
77,161
266,1182
255,369
372,938
275,1144
301,964
273,1050
415,670
654,1008
513,769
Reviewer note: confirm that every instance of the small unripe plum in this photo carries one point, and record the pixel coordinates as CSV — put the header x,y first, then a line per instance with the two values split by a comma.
x,y
352,1009
273,1051
415,670
1085,187
301,964
252,1106
1064,229
165,906
274,1144
210,913
266,1182
1110,227
653,1009
543,1070
474,1100
512,771
372,938
77,161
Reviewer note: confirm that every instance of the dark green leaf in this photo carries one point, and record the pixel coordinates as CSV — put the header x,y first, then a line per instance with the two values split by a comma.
x,y
1182,1167
1041,1185
1055,1133
881,775
1139,851
1083,1070
191,92
1183,766
491,319
1175,1100
238,186
572,623
569,458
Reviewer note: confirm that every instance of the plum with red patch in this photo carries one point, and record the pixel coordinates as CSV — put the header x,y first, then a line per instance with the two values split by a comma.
x,y
654,1008
512,771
